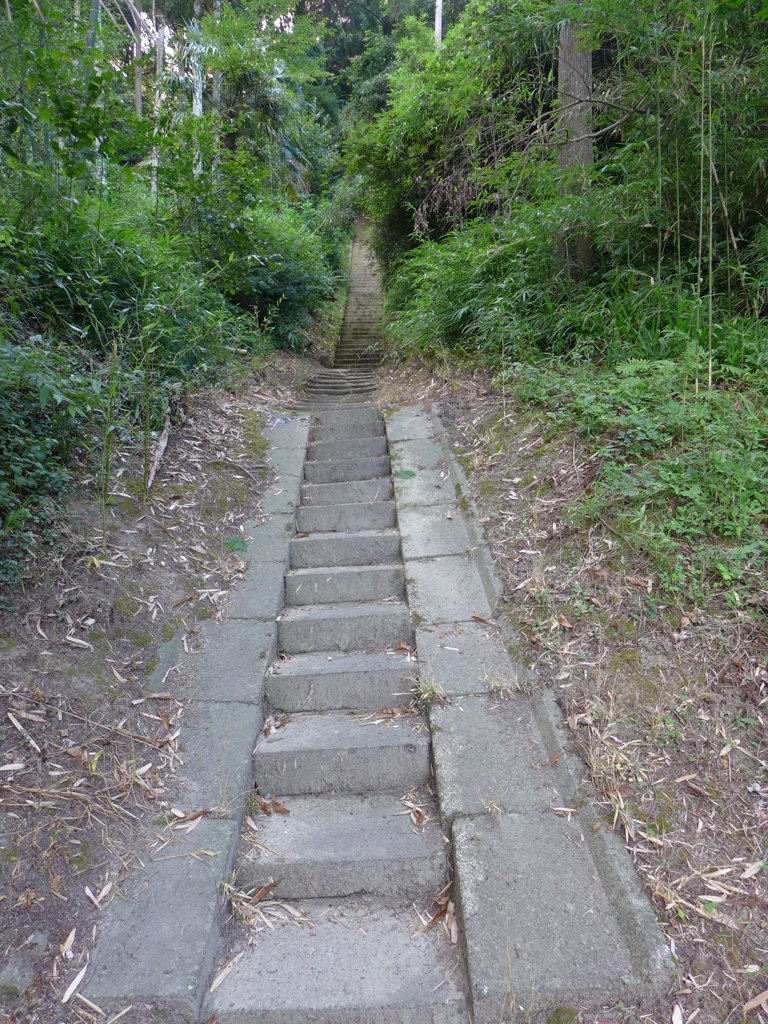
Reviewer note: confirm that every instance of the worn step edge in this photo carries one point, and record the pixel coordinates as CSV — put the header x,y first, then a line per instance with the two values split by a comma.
x,y
344,627
334,548
337,753
349,517
359,963
344,584
330,846
345,470
329,680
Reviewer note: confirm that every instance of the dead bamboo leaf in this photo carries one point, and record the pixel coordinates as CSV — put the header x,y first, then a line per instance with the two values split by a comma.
x,y
73,986
758,1003
753,869
75,641
223,975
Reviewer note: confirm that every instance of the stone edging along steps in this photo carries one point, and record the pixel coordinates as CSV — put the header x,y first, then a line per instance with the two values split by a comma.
x,y
550,912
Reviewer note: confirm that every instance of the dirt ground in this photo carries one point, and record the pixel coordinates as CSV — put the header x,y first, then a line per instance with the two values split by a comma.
x,y
88,757
668,704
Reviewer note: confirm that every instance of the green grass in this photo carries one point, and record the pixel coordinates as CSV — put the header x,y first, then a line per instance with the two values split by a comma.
x,y
680,475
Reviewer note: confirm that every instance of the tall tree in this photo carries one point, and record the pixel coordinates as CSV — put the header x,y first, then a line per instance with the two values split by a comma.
x,y
137,54
158,99
197,84
576,150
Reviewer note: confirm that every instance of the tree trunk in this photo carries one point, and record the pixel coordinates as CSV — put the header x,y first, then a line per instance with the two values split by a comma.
x,y
218,76
438,22
576,151
197,89
218,82
158,103
93,25
137,70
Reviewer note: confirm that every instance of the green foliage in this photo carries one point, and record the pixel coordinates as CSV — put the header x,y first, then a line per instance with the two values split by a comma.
x,y
657,357
47,401
683,474
140,254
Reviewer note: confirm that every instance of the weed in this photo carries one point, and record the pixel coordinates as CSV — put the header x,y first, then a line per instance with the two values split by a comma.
x,y
428,694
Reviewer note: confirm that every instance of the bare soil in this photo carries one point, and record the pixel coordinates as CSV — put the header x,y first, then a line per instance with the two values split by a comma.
x,y
668,704
88,757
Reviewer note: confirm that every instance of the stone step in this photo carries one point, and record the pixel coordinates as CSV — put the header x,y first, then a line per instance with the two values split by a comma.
x,y
334,752
335,374
330,471
344,627
359,963
353,378
341,430
331,846
376,515
363,381
349,448
366,413
329,681
363,547
335,584
334,391
348,491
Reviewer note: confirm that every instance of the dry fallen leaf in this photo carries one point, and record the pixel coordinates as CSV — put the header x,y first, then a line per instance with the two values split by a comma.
x,y
227,971
758,1003
752,869
73,987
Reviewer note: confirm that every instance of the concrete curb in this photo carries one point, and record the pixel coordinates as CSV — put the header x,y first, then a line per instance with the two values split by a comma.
x,y
622,883
157,940
503,858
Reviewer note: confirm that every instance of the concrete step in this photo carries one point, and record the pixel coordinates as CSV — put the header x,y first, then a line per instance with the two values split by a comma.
x,y
354,379
327,391
335,752
328,681
363,547
331,846
339,431
356,964
346,448
344,627
334,584
365,413
330,471
347,492
376,515
352,376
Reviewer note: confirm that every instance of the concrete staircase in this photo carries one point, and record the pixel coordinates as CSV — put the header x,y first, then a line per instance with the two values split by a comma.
x,y
347,757
343,846
357,352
